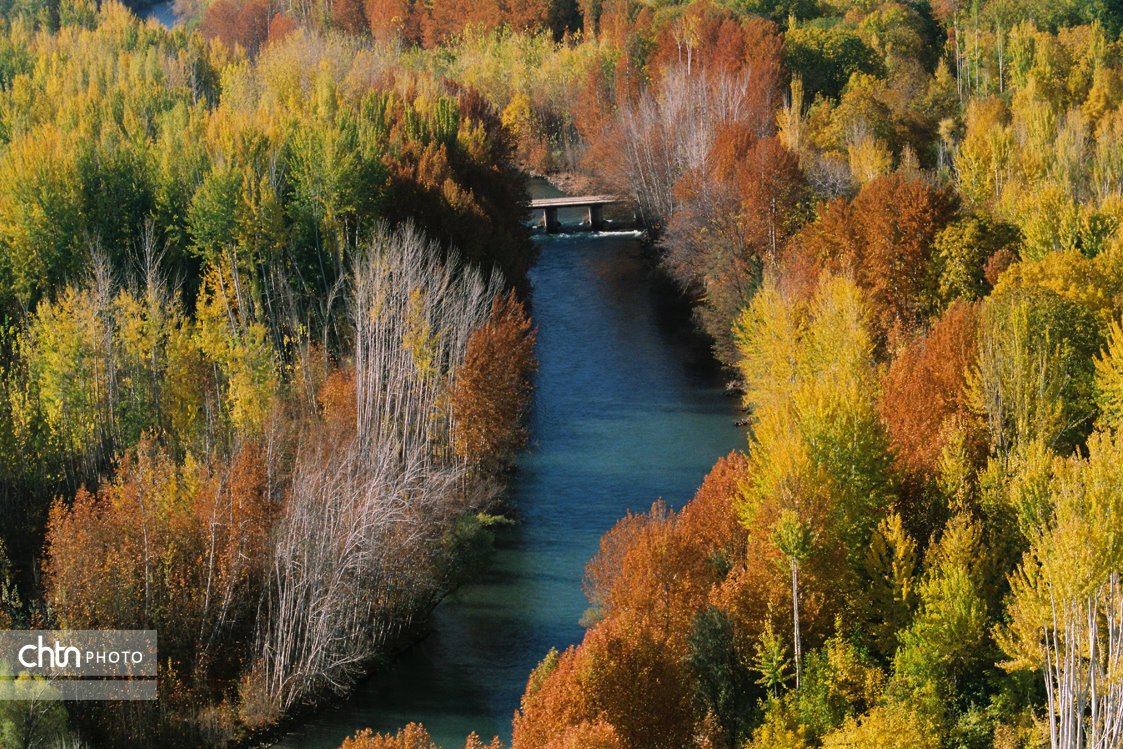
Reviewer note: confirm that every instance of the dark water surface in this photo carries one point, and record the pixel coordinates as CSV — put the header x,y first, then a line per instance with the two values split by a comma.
x,y
626,412
163,12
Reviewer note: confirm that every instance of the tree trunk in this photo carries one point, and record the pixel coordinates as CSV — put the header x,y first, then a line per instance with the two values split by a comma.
x,y
795,623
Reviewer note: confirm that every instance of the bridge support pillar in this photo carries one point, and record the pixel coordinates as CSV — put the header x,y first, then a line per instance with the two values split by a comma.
x,y
550,220
596,216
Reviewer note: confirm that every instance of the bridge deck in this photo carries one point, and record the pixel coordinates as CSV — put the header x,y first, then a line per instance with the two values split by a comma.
x,y
578,201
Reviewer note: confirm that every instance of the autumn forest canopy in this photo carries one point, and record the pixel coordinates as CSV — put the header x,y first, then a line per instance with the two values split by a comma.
x,y
266,350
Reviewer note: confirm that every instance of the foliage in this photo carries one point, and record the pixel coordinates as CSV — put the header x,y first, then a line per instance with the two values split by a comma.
x,y
885,237
724,684
819,450
1063,590
826,58
964,249
890,726
946,642
924,390
413,736
236,389
891,597
1034,376
492,391
1109,378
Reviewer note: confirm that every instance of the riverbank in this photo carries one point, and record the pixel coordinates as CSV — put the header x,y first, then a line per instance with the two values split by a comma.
x,y
570,183
411,635
471,539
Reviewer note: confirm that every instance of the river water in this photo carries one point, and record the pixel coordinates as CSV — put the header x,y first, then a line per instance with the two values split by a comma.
x,y
162,12
627,410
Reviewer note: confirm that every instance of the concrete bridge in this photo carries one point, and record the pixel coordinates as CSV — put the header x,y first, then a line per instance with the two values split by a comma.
x,y
594,205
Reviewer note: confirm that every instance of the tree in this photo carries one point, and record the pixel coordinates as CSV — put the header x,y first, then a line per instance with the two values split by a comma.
x,y
924,391
239,346
1109,378
649,571
1090,283
826,58
446,18
885,238
638,685
244,24
724,684
839,682
670,128
178,548
42,209
555,701
349,16
808,372
793,538
527,15
892,726
376,481
949,638
492,389
37,721
780,728
1064,618
964,248
818,474
390,18
413,736
891,568
1034,375
734,217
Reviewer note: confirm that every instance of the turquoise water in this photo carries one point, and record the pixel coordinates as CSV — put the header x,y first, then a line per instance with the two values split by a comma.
x,y
627,410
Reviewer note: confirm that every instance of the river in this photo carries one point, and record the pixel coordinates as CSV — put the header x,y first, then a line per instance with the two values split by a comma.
x,y
162,12
627,410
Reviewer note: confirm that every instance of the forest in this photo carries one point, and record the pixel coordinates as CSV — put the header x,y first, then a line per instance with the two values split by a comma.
x,y
265,356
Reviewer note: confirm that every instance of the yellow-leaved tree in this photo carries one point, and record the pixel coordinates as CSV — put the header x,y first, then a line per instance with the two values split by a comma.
x,y
238,347
819,467
1065,618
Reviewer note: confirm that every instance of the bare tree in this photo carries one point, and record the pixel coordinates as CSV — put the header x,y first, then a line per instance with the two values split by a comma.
x,y
671,128
356,552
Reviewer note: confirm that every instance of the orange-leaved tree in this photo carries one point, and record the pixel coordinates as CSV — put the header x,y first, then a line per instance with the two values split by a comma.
x,y
413,736
493,386
885,237
179,548
925,388
631,683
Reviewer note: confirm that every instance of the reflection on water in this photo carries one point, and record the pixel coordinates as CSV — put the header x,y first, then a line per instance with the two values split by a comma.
x,y
625,413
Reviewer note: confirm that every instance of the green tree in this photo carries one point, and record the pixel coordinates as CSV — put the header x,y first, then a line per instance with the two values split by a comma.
x,y
723,683
963,249
949,638
771,660
1035,373
38,720
826,58
213,214
891,596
